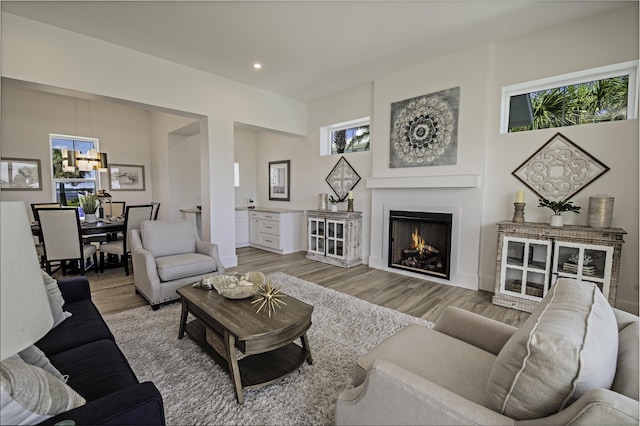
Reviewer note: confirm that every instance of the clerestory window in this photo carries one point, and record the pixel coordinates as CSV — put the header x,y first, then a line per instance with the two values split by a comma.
x,y
349,136
591,96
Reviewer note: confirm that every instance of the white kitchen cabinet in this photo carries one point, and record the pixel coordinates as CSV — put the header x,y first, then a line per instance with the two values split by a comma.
x,y
276,230
242,228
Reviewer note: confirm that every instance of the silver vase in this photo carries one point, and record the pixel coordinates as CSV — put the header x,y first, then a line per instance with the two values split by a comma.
x,y
323,202
600,211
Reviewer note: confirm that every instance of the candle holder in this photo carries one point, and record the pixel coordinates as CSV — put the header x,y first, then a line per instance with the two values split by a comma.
x,y
350,205
518,212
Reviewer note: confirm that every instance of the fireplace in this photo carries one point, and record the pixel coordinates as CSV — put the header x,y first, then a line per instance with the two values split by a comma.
x,y
420,242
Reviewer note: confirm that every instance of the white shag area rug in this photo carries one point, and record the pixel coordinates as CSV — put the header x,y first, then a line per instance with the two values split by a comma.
x,y
196,390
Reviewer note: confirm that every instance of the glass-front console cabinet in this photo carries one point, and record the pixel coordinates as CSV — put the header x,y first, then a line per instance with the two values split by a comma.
x,y
334,237
532,256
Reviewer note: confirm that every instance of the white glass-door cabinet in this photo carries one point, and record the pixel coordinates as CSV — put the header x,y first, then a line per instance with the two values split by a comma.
x,y
524,272
334,237
532,256
584,262
317,236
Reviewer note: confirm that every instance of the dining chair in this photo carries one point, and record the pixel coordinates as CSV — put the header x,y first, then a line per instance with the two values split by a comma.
x,y
62,239
133,217
36,206
156,209
112,209
34,210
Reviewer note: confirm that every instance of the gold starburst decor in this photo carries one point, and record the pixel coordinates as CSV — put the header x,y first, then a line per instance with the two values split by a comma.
x,y
269,298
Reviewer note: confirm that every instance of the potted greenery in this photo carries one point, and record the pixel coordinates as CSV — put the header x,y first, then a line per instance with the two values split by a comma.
x,y
558,207
334,203
89,204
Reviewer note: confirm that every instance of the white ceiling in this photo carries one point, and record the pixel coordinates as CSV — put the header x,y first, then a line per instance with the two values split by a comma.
x,y
308,49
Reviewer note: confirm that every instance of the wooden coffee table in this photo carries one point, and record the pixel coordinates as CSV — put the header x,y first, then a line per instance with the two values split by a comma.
x,y
268,343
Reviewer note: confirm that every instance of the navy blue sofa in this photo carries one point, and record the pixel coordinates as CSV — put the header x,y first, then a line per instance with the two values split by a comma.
x,y
83,347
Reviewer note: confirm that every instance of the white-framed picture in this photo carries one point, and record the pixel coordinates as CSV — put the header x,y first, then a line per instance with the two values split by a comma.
x,y
126,177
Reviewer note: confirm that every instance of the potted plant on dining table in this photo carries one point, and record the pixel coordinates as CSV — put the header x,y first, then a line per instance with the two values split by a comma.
x,y
89,203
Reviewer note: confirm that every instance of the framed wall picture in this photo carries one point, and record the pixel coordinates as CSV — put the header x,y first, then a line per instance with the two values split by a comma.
x,y
424,130
126,177
279,180
20,174
559,169
342,178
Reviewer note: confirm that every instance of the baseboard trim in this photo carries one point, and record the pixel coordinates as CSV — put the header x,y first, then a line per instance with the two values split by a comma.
x,y
229,261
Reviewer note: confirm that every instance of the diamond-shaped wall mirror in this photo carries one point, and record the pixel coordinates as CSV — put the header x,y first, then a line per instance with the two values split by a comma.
x,y
559,169
343,178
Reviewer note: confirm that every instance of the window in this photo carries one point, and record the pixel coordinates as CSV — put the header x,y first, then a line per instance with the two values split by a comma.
x,y
350,136
68,182
592,96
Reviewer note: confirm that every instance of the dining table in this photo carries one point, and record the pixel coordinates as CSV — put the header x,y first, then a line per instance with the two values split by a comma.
x,y
102,227
108,227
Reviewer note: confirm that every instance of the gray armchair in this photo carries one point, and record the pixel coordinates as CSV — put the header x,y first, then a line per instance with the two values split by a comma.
x,y
168,254
573,361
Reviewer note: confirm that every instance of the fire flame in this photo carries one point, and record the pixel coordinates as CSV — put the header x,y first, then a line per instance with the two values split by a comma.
x,y
418,242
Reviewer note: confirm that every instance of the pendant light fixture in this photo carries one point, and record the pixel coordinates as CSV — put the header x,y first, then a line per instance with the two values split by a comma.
x,y
73,160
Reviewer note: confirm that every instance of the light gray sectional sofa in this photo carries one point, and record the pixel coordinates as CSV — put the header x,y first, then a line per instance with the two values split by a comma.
x,y
573,361
168,254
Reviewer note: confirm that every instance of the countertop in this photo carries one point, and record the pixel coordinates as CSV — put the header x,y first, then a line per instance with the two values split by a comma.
x,y
270,210
192,210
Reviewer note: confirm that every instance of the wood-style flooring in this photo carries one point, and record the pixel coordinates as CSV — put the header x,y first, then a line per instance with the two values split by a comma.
x,y
114,292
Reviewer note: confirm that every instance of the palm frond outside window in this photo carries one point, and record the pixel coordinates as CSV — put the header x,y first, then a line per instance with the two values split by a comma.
x,y
608,95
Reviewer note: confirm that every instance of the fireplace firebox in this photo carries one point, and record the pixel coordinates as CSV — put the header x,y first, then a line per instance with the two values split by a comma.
x,y
420,242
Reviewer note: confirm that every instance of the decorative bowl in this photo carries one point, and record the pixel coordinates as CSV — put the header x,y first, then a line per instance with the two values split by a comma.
x,y
237,286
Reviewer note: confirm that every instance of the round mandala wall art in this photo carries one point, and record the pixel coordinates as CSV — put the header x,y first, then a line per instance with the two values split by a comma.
x,y
424,130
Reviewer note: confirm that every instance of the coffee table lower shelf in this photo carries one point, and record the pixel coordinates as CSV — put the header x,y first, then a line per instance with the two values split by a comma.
x,y
256,370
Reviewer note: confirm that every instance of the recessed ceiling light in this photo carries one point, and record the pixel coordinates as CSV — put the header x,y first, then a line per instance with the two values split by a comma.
x,y
257,66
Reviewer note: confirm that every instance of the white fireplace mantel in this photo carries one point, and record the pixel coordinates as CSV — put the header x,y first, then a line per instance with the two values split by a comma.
x,y
457,194
444,181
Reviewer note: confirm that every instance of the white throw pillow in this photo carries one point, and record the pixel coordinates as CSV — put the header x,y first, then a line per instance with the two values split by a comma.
x,y
29,394
34,356
52,288
567,346
56,301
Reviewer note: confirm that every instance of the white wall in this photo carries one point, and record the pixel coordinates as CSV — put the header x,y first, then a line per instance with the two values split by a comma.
x,y
611,38
39,53
468,70
480,72
308,169
29,116
161,131
129,135
184,173
245,156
